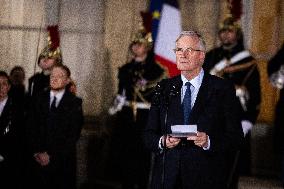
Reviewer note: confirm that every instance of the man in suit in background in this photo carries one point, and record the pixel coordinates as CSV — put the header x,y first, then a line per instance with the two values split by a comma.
x,y
193,98
11,124
55,122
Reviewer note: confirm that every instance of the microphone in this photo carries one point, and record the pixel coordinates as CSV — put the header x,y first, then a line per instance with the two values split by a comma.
x,y
174,90
156,100
163,94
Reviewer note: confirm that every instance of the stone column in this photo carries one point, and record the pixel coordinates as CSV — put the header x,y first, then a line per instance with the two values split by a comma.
x,y
264,42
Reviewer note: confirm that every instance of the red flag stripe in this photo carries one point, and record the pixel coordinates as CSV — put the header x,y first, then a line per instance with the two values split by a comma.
x,y
171,66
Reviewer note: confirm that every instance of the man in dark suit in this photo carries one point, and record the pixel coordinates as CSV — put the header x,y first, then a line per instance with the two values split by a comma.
x,y
55,122
275,71
193,99
11,123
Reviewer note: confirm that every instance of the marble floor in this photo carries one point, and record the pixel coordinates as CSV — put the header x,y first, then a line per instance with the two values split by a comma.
x,y
245,183
259,183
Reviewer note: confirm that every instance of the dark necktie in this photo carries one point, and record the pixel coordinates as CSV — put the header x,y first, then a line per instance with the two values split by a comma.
x,y
53,104
187,103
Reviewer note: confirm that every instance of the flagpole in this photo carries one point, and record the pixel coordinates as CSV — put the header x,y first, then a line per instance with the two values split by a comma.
x,y
37,48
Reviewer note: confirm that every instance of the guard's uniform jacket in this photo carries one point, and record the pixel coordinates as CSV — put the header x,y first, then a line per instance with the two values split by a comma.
x,y
240,67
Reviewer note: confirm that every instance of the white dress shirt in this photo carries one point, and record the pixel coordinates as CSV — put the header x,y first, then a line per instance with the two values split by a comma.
x,y
2,105
58,96
194,87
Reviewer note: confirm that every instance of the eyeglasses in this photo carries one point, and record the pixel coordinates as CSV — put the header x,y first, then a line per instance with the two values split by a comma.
x,y
186,50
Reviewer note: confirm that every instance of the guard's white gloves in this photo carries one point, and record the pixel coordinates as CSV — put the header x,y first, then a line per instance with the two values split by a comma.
x,y
118,103
247,126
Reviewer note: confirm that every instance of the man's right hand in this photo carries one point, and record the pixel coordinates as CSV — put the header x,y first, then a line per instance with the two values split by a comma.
x,y
171,142
42,158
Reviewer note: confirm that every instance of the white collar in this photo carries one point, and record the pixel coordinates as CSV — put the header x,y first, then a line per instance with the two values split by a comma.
x,y
2,104
58,95
4,101
195,82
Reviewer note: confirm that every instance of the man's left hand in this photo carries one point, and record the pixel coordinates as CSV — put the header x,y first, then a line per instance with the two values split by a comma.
x,y
201,139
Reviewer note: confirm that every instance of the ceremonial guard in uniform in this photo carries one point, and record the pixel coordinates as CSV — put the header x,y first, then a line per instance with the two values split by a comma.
x,y
231,61
137,80
276,75
50,56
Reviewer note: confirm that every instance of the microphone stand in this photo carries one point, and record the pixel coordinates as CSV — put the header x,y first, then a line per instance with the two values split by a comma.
x,y
172,92
158,98
164,146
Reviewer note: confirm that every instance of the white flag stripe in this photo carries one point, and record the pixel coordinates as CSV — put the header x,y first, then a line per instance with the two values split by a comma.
x,y
169,29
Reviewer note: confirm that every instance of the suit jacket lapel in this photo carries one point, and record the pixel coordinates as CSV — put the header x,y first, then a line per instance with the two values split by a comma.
x,y
200,100
63,102
175,113
175,109
46,102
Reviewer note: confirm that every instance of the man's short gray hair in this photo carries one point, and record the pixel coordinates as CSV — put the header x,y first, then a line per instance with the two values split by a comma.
x,y
193,33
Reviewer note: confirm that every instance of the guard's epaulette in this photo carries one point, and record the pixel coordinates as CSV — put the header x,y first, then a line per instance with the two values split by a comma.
x,y
236,68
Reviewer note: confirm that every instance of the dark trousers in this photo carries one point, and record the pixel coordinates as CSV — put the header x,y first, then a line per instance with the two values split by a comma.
x,y
240,163
11,172
282,169
129,159
56,176
278,133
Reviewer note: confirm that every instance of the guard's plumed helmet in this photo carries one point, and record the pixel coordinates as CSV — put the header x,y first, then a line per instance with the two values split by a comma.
x,y
144,34
52,49
230,23
144,37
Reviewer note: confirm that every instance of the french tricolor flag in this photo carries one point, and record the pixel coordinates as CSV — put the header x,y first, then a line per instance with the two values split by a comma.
x,y
166,27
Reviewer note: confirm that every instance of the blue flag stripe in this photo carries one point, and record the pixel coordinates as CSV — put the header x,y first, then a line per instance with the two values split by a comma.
x,y
173,3
155,8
